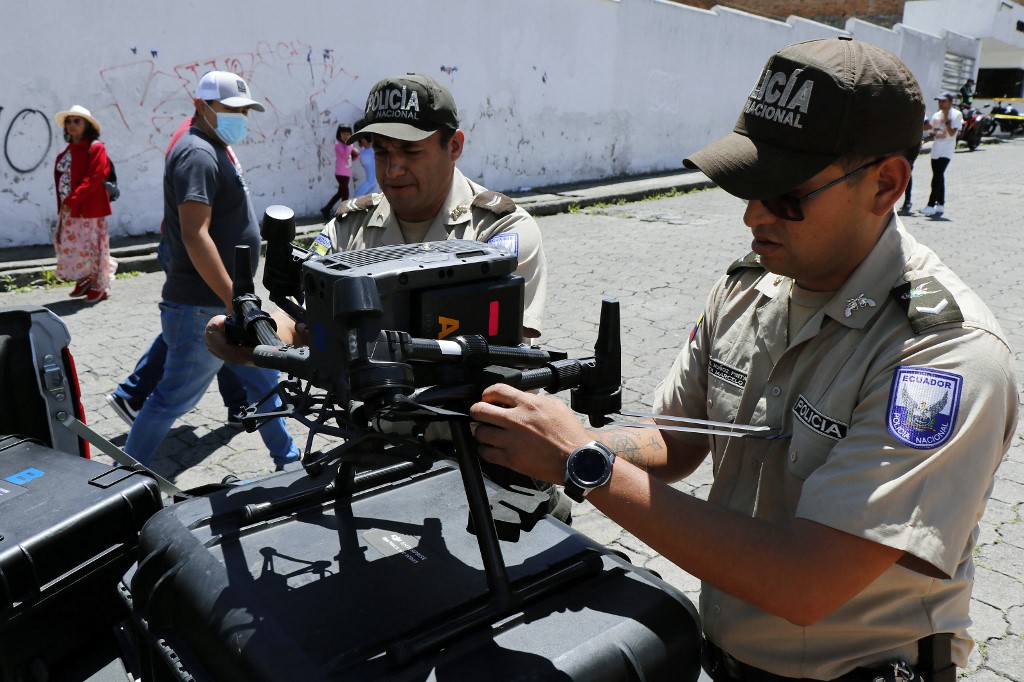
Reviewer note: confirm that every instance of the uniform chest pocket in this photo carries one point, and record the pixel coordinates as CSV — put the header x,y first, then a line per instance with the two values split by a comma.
x,y
814,435
807,452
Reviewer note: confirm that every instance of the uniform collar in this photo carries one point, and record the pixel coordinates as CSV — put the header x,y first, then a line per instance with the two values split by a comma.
x,y
863,294
455,209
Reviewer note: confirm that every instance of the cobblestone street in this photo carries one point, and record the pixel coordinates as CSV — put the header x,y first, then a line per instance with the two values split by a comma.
x,y
659,258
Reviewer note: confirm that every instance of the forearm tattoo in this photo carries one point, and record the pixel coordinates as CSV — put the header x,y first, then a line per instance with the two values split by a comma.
x,y
644,450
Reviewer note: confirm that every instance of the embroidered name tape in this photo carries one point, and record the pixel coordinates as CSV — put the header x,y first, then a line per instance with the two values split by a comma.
x,y
729,375
923,406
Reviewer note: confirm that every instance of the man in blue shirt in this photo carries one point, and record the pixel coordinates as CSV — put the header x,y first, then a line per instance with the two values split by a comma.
x,y
207,212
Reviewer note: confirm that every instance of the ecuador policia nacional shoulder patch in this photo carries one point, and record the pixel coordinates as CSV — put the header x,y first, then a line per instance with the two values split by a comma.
x,y
923,406
495,202
506,240
928,304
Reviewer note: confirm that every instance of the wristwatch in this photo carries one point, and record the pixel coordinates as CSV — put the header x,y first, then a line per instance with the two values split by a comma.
x,y
588,467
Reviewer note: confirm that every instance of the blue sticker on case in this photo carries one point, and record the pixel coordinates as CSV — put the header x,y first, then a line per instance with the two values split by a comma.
x,y
923,406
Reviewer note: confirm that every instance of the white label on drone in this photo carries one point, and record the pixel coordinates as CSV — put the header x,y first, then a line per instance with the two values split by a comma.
x,y
449,348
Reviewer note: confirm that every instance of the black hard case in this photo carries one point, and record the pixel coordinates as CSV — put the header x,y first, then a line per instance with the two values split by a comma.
x,y
37,378
345,590
69,530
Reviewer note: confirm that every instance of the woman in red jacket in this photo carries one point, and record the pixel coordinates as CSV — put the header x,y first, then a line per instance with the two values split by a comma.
x,y
81,241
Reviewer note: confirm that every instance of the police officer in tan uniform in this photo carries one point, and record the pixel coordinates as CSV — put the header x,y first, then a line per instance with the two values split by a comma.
x,y
414,126
836,540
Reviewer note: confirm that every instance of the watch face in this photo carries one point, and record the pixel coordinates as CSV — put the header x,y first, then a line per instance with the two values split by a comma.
x,y
588,466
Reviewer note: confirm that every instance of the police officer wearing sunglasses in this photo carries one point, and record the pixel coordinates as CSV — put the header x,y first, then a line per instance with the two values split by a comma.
x,y
838,547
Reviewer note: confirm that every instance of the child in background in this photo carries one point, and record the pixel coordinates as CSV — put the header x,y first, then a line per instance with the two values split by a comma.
x,y
344,155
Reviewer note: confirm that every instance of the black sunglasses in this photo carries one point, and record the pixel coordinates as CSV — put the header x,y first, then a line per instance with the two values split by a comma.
x,y
788,207
72,119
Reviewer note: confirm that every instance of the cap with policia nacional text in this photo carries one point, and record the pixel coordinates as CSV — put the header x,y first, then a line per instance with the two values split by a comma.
x,y
410,107
226,88
815,103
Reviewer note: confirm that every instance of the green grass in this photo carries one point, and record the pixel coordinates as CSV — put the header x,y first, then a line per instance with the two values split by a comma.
x,y
605,204
675,192
621,201
48,280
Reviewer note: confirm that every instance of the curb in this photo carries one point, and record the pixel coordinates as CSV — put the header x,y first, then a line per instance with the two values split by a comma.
x,y
27,266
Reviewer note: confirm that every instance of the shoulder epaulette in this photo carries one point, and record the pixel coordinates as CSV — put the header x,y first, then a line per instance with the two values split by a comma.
x,y
495,202
751,260
927,303
363,203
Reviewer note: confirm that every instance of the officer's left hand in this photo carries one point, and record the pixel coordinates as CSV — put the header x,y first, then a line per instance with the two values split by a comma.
x,y
529,433
217,342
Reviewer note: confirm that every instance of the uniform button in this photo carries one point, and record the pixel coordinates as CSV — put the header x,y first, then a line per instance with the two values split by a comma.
x,y
776,391
792,456
717,610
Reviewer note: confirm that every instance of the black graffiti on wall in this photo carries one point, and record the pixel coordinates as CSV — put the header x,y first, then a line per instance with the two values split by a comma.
x,y
27,139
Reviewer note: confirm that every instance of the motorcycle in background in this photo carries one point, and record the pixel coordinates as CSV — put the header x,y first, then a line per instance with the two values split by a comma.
x,y
973,128
1006,117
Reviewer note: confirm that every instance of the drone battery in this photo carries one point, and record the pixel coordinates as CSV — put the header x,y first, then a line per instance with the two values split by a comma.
x,y
389,584
68,531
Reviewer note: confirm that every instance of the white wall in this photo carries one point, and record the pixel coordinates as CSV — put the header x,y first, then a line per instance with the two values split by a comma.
x,y
548,92
995,19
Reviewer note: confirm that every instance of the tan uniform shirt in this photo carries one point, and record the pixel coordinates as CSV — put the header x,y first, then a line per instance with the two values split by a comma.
x,y
884,432
458,218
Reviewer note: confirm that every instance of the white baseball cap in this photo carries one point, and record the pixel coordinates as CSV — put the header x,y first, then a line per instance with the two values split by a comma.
x,y
227,88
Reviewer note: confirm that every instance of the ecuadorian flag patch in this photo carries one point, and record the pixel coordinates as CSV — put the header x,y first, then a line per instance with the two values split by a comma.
x,y
321,246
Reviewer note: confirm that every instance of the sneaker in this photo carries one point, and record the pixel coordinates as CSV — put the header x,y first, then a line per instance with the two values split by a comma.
x,y
939,210
123,409
235,415
326,213
82,287
906,208
95,296
928,210
293,457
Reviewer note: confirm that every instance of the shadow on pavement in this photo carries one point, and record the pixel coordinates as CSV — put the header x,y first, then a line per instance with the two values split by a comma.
x,y
182,449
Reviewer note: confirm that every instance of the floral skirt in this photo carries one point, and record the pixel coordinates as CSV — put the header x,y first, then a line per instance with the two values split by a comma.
x,y
83,250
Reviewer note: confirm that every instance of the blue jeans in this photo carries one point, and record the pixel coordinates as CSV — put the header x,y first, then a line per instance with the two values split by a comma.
x,y
143,380
150,367
188,372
